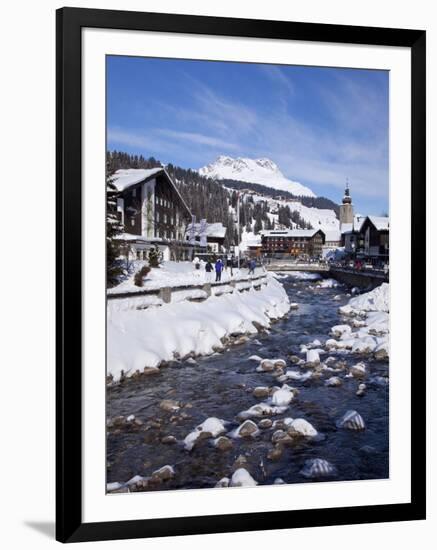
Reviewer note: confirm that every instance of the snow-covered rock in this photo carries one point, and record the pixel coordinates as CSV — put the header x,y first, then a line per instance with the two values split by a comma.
x,y
358,370
296,375
339,330
259,410
164,474
333,382
247,429
364,345
313,357
211,427
242,478
282,397
300,426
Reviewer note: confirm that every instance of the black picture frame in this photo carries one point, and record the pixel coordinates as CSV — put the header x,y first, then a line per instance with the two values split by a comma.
x,y
69,525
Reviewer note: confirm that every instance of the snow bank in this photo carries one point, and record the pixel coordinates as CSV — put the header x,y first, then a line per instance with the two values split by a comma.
x,y
372,336
146,338
376,300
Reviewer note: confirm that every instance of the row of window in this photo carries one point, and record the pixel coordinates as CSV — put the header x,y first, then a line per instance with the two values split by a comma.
x,y
167,234
164,202
166,219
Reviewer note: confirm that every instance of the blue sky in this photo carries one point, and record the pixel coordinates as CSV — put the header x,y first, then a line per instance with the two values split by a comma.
x,y
320,125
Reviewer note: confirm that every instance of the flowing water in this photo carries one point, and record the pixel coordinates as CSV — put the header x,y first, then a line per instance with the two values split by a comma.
x,y
221,386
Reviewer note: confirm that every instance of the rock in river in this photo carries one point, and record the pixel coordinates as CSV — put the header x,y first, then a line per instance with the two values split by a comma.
x,y
223,443
242,478
333,382
351,420
163,474
358,370
301,427
282,397
246,430
317,468
312,357
266,366
261,391
265,423
261,409
211,427
169,405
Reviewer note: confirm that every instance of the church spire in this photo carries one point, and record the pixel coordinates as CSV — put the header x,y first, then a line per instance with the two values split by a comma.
x,y
347,198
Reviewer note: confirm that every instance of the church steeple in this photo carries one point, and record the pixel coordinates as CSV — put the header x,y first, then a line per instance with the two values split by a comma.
x,y
346,209
347,198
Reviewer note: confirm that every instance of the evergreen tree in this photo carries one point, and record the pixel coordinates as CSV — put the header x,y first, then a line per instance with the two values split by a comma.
x,y
154,257
113,229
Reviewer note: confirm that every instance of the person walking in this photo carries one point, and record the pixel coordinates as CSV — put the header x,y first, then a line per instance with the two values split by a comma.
x,y
208,270
218,270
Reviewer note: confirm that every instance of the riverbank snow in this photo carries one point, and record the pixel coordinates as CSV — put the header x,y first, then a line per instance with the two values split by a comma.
x,y
146,338
372,334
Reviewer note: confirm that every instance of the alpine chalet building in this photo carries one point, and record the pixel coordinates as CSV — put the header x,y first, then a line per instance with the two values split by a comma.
x,y
152,213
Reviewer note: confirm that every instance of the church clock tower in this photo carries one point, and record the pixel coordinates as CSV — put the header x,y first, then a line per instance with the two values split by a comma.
x,y
346,209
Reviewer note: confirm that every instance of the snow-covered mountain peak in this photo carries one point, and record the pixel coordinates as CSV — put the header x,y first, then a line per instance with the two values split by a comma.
x,y
263,171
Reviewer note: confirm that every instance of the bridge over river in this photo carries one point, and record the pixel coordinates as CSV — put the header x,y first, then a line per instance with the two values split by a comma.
x,y
362,278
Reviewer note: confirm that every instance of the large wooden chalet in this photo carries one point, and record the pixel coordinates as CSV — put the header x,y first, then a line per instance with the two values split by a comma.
x,y
152,213
375,237
295,242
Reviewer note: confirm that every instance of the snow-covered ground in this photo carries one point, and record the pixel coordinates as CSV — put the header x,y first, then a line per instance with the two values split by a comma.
x,y
368,314
171,274
146,338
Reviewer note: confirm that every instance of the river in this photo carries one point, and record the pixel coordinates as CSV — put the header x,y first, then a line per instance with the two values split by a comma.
x,y
221,386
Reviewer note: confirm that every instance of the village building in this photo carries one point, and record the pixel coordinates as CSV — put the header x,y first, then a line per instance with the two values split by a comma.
x,y
364,237
374,238
350,235
332,240
152,213
295,242
215,234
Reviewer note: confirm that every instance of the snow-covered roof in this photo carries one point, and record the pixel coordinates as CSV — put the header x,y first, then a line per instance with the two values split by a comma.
x,y
290,232
217,230
355,226
358,221
332,235
123,179
381,223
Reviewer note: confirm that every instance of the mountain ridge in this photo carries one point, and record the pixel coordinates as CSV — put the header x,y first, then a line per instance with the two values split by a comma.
x,y
261,171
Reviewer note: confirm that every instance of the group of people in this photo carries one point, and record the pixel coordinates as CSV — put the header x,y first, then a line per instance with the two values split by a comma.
x,y
218,266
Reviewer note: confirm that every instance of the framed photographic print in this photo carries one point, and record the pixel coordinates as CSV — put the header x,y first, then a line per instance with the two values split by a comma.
x,y
240,274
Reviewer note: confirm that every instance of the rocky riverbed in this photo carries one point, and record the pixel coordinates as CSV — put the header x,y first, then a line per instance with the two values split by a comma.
x,y
306,400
